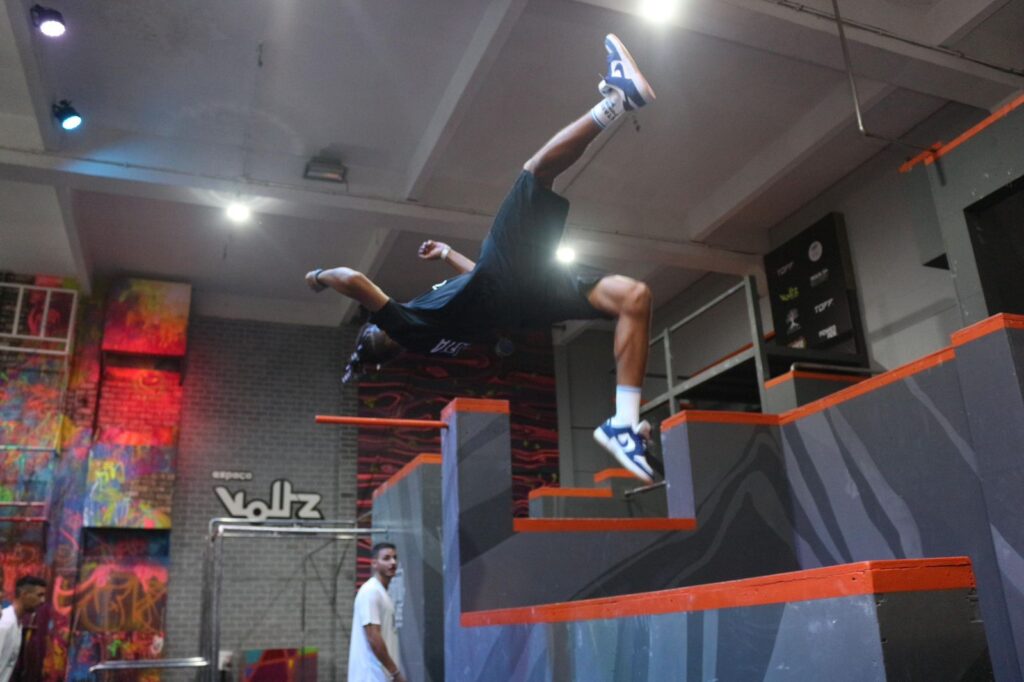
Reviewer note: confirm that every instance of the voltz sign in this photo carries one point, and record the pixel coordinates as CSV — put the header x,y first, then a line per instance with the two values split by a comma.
x,y
281,506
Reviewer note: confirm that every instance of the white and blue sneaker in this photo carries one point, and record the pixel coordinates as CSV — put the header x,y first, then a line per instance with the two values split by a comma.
x,y
627,444
624,77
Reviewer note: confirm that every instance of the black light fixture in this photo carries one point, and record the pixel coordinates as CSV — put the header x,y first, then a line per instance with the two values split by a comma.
x,y
50,22
66,114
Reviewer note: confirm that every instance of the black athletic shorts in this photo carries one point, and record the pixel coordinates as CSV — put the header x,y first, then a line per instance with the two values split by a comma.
x,y
518,260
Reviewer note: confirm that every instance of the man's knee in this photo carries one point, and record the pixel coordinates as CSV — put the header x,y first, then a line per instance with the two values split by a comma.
x,y
638,299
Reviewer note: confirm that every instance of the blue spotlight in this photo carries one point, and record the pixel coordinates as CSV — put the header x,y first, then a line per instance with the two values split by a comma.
x,y
66,114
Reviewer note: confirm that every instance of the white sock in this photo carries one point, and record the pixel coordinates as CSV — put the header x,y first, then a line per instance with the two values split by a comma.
x,y
608,109
627,406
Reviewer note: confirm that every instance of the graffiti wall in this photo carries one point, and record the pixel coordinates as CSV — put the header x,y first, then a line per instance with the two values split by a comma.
x,y
419,387
120,599
129,487
89,443
147,317
280,665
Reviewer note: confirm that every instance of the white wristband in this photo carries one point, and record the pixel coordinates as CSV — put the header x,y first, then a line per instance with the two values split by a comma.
x,y
445,251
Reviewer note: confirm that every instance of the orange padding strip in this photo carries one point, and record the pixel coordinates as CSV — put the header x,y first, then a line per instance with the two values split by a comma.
x,y
867,577
474,405
601,525
382,423
716,417
413,464
816,376
986,327
940,150
548,491
608,474
858,389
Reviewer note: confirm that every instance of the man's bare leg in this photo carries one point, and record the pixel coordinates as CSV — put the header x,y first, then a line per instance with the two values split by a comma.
x,y
629,301
351,283
563,150
624,435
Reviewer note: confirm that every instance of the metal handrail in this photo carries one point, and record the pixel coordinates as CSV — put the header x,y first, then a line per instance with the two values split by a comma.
x,y
673,390
837,368
151,664
699,311
645,489
225,528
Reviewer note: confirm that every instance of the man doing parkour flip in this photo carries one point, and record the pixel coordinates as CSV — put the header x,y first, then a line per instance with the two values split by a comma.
x,y
516,283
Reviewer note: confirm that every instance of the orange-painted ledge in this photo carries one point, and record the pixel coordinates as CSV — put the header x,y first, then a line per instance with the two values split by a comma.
x,y
858,389
411,466
474,405
608,474
550,491
976,331
938,150
868,577
987,326
816,376
615,525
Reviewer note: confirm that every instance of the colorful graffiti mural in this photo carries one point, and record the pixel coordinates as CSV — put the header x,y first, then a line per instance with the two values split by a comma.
x,y
417,387
129,487
147,317
120,599
139,406
280,665
30,400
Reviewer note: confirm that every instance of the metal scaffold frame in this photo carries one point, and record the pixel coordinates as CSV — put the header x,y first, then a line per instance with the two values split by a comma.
x,y
220,530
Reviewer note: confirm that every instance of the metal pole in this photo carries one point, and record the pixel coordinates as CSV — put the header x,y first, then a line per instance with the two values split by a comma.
x,y
673,401
757,332
707,306
853,88
218,574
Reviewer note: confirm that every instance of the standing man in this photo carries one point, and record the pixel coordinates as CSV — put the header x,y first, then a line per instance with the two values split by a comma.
x,y
29,595
516,283
373,651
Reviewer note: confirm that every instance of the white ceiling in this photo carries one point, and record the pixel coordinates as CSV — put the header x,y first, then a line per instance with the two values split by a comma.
x,y
433,105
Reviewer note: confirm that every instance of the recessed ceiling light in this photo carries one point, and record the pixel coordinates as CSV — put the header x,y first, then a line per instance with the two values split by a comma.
x,y
659,11
238,213
566,254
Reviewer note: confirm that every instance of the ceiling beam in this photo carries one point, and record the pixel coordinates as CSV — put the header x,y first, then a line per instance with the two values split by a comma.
x,y
79,260
679,254
18,58
807,135
498,20
324,205
951,20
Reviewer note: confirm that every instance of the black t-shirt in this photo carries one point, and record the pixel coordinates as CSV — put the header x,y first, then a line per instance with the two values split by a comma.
x,y
445,320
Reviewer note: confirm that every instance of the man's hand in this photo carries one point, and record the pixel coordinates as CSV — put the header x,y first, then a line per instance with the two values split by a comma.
x,y
431,250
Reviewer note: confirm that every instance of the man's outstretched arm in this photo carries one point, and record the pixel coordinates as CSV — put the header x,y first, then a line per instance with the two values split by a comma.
x,y
431,250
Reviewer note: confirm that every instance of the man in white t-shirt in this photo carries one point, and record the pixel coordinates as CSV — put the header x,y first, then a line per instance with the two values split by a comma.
x,y
373,651
29,595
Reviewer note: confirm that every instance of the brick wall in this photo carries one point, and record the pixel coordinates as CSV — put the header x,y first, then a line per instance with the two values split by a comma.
x,y
250,392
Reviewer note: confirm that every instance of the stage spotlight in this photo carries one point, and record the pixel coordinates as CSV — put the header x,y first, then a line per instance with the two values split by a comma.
x,y
50,22
66,114
566,254
659,11
238,213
